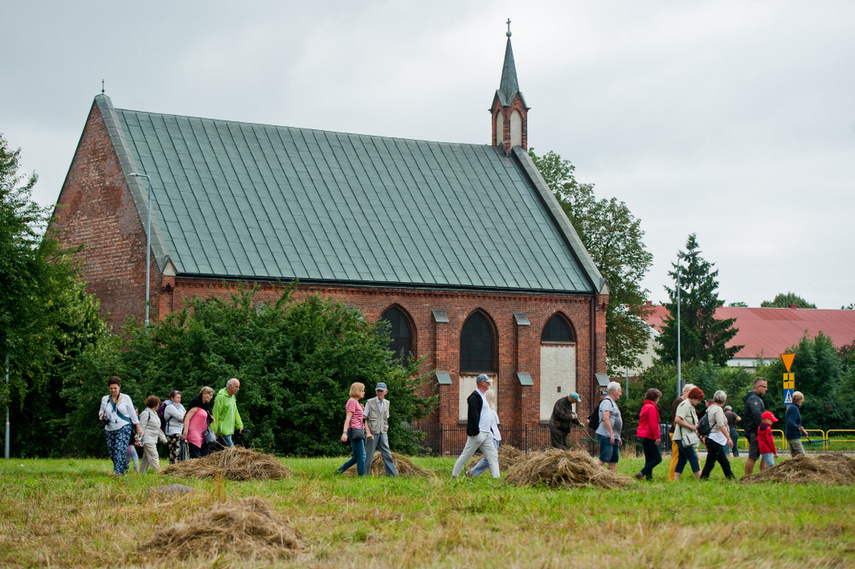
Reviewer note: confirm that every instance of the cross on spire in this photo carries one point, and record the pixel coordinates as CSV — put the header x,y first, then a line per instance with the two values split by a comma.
x,y
509,28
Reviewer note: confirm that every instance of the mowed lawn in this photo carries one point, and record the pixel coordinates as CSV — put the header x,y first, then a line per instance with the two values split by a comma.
x,y
72,513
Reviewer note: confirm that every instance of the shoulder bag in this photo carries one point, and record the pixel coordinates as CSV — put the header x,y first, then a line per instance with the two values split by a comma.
x,y
690,437
357,434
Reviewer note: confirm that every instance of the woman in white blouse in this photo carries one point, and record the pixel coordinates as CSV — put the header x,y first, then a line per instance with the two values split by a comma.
x,y
719,437
118,414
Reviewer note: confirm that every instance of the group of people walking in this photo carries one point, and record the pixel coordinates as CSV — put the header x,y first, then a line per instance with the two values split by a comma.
x,y
201,425
720,436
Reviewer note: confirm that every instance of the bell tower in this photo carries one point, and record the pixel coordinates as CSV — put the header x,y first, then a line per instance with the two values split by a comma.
x,y
509,111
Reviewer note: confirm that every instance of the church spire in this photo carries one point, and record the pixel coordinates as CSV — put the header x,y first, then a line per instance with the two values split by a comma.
x,y
509,111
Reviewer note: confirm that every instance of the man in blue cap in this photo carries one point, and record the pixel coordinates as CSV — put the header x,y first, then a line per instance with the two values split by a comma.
x,y
376,415
561,420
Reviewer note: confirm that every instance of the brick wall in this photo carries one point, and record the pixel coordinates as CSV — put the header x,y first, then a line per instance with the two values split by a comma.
x,y
96,209
517,347
500,137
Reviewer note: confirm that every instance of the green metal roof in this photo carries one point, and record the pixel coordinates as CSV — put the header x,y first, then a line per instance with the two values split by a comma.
x,y
251,201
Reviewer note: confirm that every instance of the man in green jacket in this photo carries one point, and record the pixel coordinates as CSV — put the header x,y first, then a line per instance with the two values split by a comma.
x,y
226,416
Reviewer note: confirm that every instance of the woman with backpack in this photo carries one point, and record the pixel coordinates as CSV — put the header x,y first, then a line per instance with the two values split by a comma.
x,y
718,438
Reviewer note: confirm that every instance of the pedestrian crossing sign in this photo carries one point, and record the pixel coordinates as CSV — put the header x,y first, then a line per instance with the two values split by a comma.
x,y
788,397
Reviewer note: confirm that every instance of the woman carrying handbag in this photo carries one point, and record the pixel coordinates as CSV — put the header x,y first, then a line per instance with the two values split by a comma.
x,y
686,433
355,430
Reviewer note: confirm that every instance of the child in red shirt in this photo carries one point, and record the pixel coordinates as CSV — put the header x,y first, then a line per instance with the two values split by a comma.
x,y
765,439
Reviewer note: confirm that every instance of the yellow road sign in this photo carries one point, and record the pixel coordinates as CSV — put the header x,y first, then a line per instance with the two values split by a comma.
x,y
788,360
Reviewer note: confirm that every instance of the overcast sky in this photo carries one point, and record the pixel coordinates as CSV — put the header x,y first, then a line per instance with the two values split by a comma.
x,y
733,120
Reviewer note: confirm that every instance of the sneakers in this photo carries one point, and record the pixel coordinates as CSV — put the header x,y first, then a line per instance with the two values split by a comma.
x,y
639,476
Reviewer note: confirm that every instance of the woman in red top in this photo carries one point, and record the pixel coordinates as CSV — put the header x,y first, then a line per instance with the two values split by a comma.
x,y
355,430
648,433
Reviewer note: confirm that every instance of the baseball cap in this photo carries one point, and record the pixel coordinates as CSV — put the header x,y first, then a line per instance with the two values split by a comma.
x,y
769,415
575,396
482,379
381,387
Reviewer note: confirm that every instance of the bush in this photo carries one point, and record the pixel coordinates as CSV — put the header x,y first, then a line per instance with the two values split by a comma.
x,y
296,362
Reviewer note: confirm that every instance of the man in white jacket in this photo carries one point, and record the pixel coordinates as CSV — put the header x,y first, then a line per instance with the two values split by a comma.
x,y
376,415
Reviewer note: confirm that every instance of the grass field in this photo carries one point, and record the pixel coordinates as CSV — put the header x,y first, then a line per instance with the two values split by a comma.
x,y
72,513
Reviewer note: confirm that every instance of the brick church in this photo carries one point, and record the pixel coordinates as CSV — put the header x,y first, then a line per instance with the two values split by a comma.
x,y
462,247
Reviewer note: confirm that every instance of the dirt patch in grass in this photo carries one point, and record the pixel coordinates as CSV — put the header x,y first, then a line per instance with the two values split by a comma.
x,y
232,464
247,528
508,458
829,469
403,465
563,468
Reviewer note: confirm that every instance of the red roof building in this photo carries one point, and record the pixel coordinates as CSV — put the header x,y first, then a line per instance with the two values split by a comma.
x,y
766,333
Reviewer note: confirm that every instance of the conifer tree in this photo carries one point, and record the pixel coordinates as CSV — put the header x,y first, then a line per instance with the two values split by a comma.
x,y
703,337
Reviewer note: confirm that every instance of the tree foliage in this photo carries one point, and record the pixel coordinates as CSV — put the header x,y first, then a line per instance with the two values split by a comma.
x,y
821,372
703,337
783,300
614,239
46,317
706,375
295,360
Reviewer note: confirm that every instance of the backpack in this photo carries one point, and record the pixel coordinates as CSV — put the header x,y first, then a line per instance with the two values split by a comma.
x,y
594,417
161,410
704,425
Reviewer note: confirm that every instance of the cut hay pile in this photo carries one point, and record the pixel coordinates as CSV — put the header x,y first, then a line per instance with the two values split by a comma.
x,y
829,469
232,464
563,468
403,465
248,528
508,458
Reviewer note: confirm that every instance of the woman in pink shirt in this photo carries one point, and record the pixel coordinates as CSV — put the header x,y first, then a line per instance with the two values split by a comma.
x,y
355,430
196,420
648,433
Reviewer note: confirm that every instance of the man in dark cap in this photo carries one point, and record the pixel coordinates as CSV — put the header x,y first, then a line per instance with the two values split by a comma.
x,y
562,420
478,430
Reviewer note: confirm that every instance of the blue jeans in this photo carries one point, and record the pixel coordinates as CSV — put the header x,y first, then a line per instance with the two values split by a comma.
x,y
357,447
608,452
768,458
734,436
483,464
687,454
225,441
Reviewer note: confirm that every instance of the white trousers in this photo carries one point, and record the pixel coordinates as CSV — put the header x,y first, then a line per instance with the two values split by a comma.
x,y
484,443
149,458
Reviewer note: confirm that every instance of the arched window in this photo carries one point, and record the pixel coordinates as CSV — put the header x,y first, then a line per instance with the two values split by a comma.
x,y
476,345
401,336
557,330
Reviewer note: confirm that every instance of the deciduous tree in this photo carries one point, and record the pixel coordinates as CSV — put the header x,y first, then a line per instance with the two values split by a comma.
x,y
786,300
614,239
36,274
